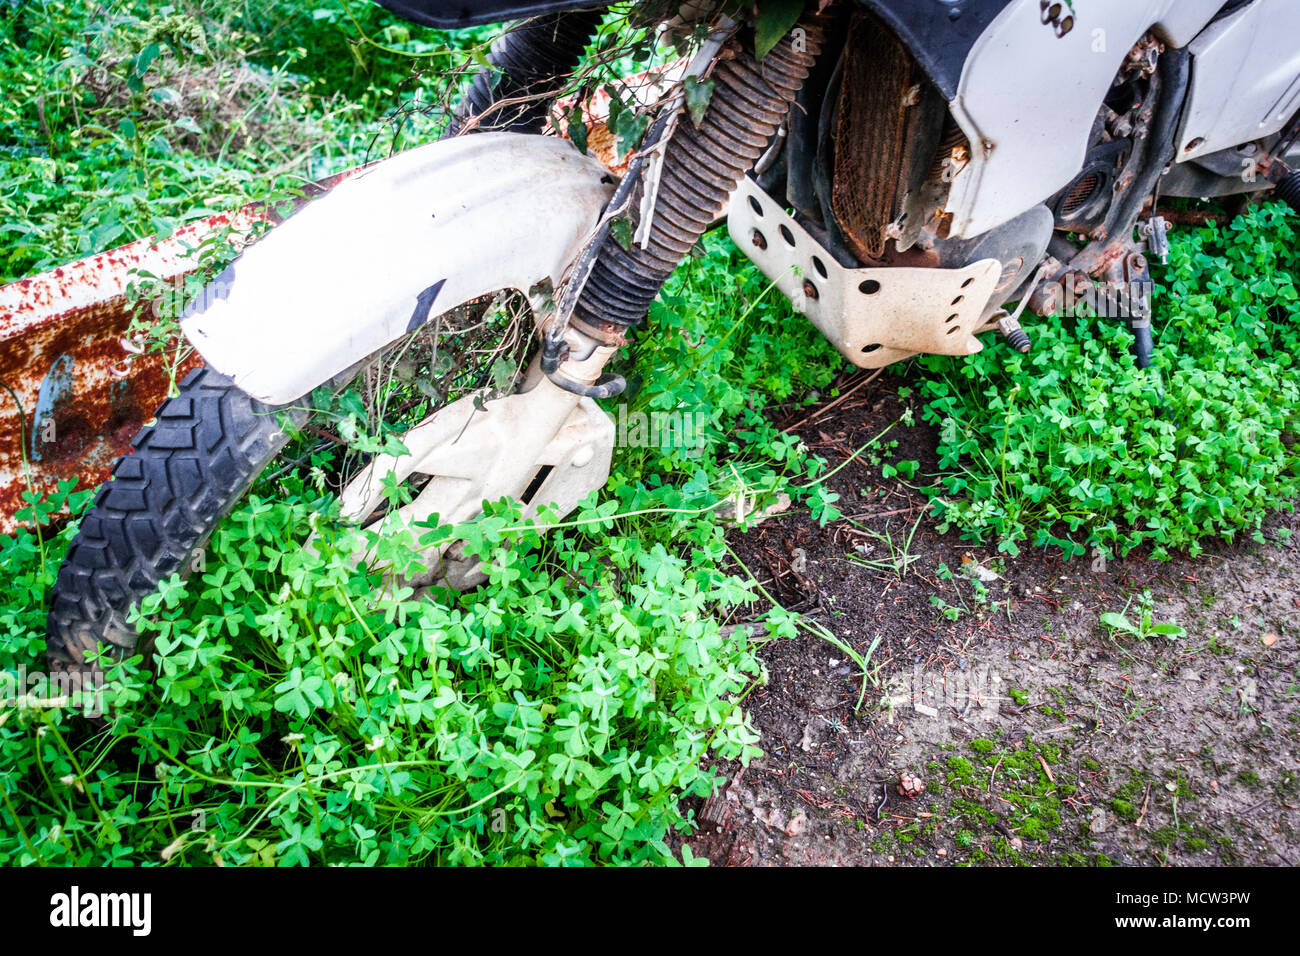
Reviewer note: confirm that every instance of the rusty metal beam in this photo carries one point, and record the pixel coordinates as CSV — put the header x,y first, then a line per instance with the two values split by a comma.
x,y
72,396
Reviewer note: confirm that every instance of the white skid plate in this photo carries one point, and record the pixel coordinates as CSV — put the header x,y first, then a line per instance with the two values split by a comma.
x,y
873,316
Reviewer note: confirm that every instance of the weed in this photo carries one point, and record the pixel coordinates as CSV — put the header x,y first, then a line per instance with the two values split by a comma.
x,y
899,554
1143,626
1071,446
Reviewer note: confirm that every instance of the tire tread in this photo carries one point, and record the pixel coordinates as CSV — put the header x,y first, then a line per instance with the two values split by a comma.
x,y
185,472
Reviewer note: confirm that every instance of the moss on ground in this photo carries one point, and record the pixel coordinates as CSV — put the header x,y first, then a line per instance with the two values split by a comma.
x,y
1005,804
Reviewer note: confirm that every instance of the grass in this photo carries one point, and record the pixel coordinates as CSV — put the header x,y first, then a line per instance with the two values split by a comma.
x,y
896,558
125,119
296,708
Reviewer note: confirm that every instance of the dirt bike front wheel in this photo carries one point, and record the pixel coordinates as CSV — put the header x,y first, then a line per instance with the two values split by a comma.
x,y
524,438
207,445
185,472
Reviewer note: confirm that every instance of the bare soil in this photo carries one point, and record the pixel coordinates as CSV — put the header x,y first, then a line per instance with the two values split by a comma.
x,y
1027,731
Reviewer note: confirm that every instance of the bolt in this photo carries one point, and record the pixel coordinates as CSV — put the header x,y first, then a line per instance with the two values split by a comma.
x,y
759,240
809,289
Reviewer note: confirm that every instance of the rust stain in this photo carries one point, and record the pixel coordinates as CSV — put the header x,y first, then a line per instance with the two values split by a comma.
x,y
64,329
646,89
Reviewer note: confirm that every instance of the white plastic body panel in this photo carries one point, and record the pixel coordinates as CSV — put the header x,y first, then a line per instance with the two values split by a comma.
x,y
1027,98
1245,78
412,237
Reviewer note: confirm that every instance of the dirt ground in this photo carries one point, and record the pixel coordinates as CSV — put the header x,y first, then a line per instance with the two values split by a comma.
x,y
1025,729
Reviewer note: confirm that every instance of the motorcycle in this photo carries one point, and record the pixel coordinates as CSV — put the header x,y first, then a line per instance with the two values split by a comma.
x,y
902,170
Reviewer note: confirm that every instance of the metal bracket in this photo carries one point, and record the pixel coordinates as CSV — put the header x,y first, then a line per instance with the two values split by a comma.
x,y
1155,233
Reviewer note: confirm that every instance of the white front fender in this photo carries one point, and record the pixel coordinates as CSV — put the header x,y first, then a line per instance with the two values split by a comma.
x,y
411,238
